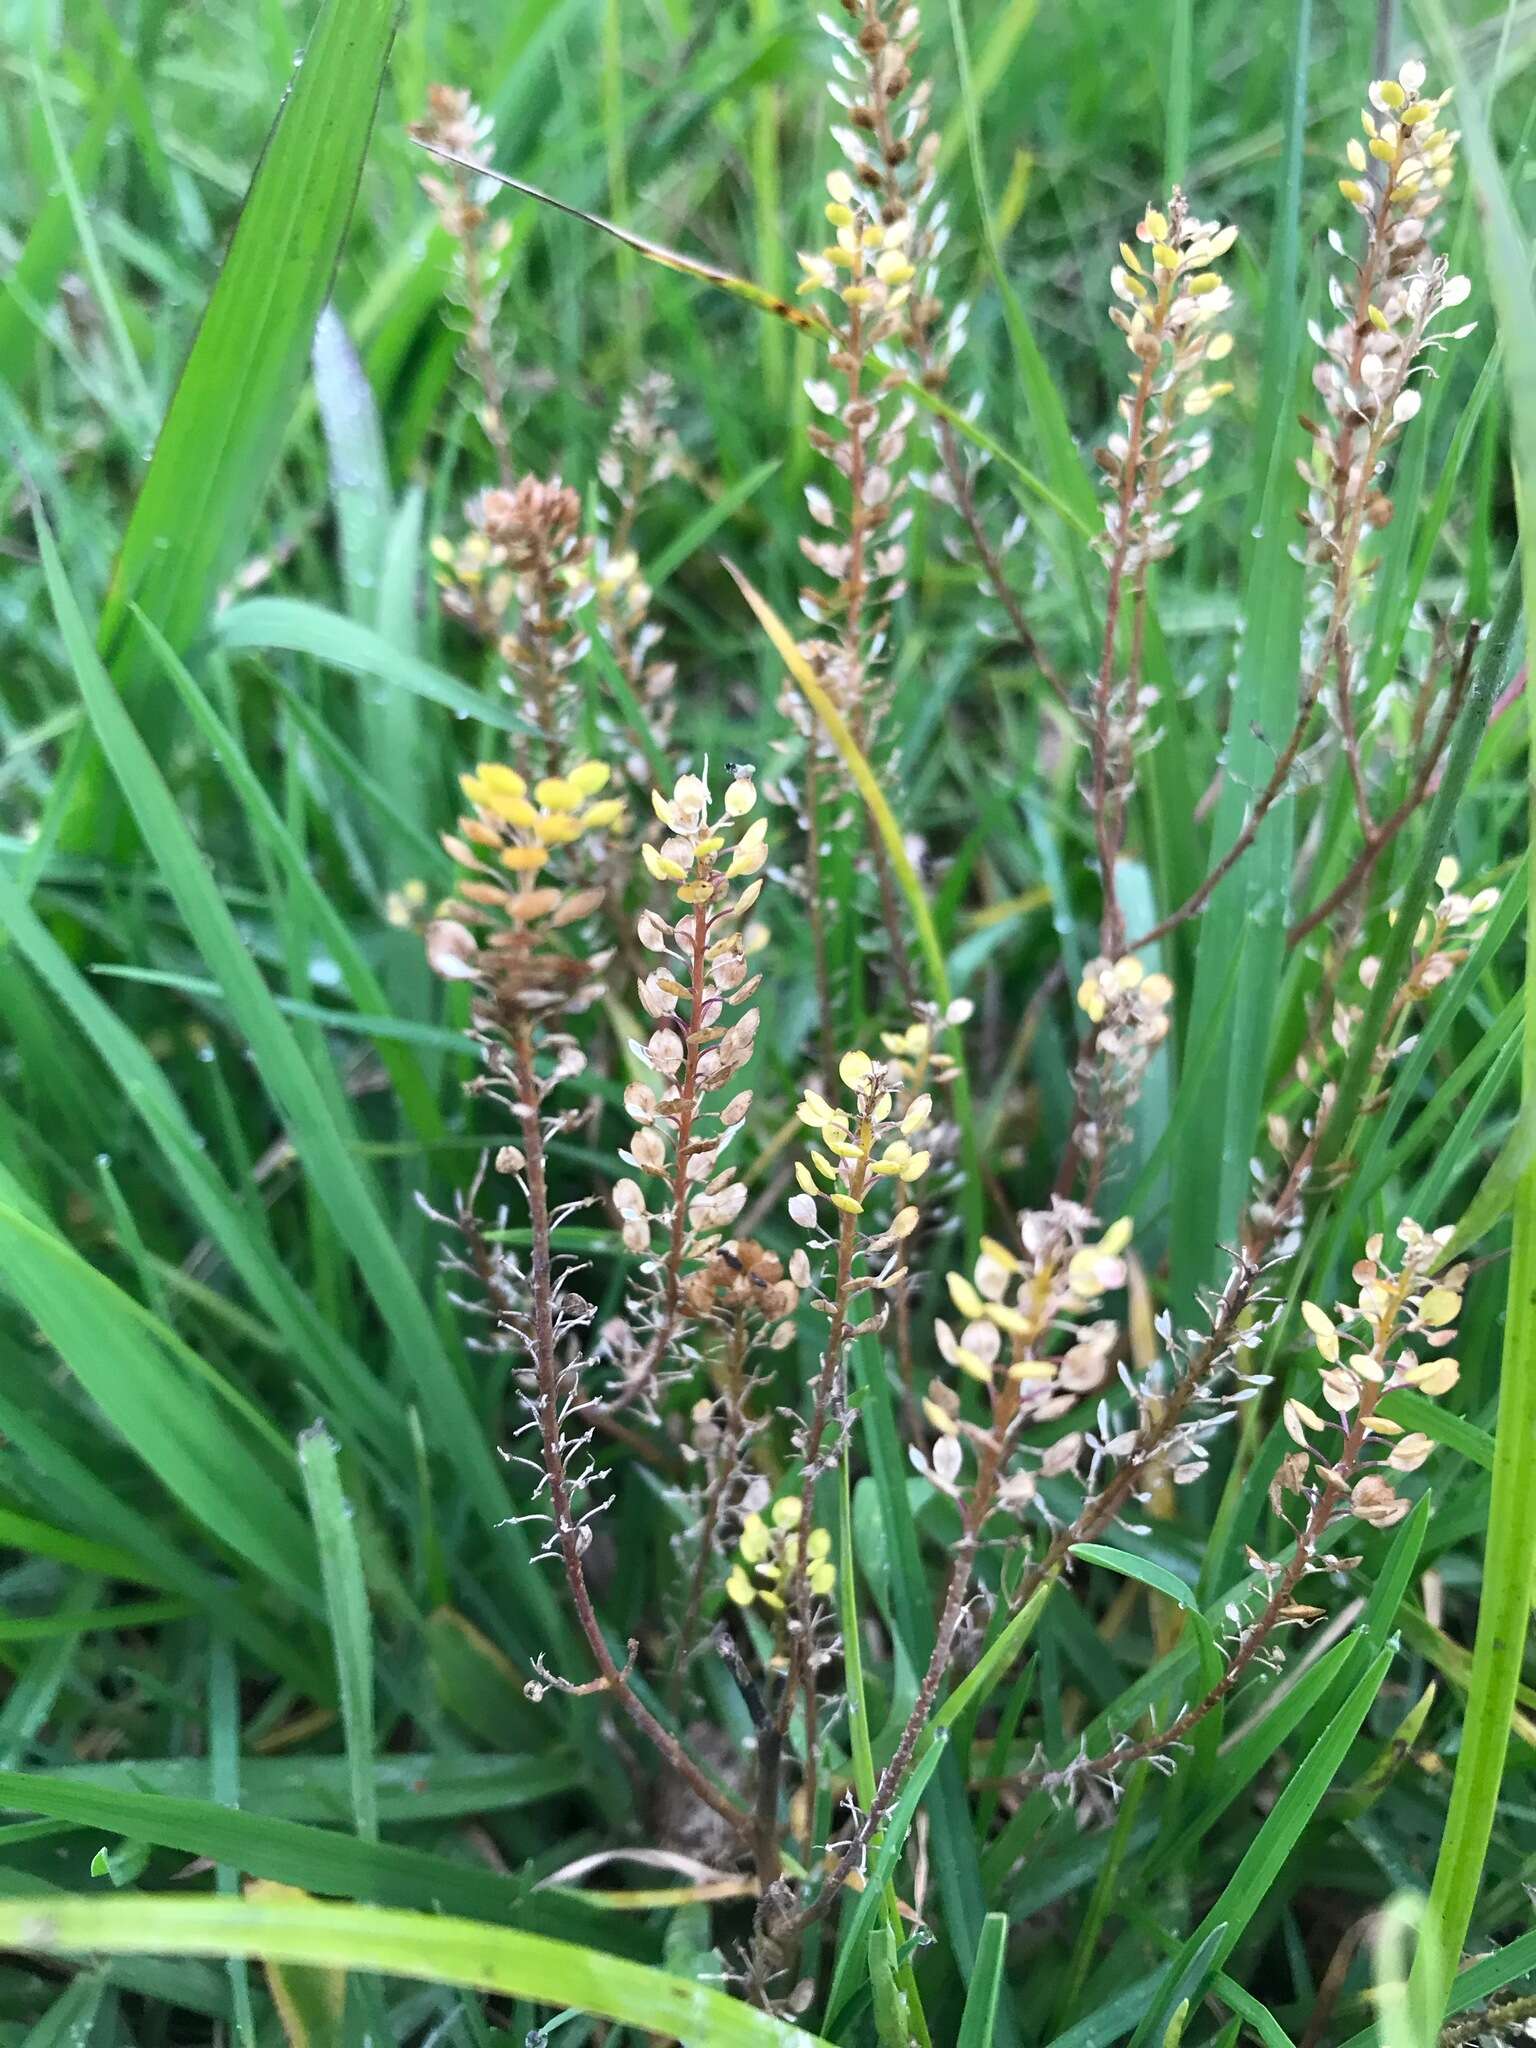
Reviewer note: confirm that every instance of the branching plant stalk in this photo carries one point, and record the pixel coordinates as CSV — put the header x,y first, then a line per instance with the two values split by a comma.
x,y
1335,1486
977,1508
1381,836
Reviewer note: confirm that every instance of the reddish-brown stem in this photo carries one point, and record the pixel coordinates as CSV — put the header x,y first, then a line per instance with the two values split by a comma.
x,y
1381,836
547,1375
1348,518
734,1374
974,1517
1336,1479
1263,804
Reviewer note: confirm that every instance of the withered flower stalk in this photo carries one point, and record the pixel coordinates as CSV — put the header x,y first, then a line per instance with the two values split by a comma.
x,y
529,976
1370,358
1410,1304
456,125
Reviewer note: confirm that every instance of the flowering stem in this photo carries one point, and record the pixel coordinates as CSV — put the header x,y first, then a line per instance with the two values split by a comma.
x,y
1335,1485
548,1376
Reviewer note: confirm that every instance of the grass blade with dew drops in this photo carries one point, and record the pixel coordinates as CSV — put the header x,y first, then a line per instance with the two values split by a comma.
x,y
346,1601
429,1947
1509,1556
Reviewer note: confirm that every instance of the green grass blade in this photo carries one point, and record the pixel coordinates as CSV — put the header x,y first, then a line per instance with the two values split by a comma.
x,y
346,1601
363,985
1283,1828
218,1211
1509,1556
980,2015
317,1859
172,1425
266,623
865,1903
438,1949
222,433
45,255
354,441
1143,1568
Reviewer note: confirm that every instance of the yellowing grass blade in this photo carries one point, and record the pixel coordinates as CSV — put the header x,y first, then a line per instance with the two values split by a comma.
x,y
310,2002
657,252
867,783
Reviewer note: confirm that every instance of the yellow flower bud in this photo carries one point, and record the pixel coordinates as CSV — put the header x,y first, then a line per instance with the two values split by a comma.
x,y
662,869
597,817
854,1069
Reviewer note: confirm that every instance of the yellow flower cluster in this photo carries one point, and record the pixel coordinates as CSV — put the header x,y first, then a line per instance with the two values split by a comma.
x,y
1110,987
866,263
523,824
769,1552
504,844
1029,1300
1403,133
1394,1309
690,854
1175,294
867,1144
